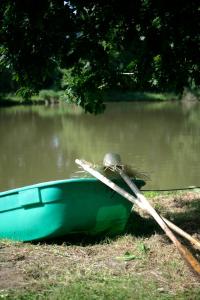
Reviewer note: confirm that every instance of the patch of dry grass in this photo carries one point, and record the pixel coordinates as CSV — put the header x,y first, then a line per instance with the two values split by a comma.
x,y
126,261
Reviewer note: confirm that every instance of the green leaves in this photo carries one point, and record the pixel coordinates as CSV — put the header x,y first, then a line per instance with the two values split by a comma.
x,y
95,42
157,23
25,93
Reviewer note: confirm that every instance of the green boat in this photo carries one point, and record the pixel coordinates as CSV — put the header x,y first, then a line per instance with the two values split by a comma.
x,y
57,208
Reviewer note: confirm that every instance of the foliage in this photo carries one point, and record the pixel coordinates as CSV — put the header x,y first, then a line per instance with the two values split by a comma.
x,y
98,43
6,82
49,95
81,86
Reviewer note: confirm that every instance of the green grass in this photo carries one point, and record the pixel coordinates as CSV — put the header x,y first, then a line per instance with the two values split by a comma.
x,y
12,99
51,96
108,288
115,95
44,97
141,264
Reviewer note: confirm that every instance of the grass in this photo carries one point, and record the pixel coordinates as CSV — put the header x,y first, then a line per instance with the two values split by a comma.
x,y
12,99
44,97
51,97
141,264
117,95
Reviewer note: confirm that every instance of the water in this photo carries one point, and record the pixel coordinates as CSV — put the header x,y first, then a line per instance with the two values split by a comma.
x,y
40,143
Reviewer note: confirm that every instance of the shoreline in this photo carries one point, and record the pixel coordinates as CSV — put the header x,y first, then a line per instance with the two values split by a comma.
x,y
108,97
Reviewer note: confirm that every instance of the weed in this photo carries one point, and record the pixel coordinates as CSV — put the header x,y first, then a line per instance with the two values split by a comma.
x,y
145,265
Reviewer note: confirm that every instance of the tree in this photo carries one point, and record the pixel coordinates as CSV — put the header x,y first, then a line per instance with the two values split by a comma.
x,y
94,42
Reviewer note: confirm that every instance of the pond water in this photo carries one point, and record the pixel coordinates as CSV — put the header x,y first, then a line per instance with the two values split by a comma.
x,y
40,143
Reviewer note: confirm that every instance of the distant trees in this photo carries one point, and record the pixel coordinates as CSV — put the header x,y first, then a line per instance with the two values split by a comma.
x,y
94,43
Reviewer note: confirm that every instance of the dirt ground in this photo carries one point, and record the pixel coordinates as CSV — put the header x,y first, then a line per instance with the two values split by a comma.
x,y
144,250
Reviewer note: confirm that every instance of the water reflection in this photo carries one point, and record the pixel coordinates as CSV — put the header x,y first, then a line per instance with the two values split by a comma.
x,y
41,143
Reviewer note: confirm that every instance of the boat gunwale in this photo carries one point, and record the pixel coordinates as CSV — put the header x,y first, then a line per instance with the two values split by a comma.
x,y
55,182
48,183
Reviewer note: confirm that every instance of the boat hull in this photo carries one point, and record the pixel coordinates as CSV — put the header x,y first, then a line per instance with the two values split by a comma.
x,y
58,208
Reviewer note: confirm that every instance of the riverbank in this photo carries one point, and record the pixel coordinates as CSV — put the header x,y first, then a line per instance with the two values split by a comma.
x,y
52,97
142,263
119,95
45,97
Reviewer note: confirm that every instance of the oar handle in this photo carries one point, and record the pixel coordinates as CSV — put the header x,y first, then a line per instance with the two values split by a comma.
x,y
190,259
192,262
87,167
140,196
147,205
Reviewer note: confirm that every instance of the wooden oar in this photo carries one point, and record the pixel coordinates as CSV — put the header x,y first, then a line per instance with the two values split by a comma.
x,y
149,208
114,163
142,203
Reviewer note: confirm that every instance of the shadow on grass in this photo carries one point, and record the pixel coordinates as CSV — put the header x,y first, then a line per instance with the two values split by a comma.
x,y
189,218
142,227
